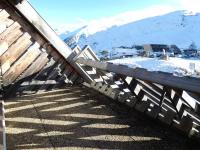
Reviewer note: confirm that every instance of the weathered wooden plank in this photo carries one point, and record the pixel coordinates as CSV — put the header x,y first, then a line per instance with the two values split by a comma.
x,y
76,49
36,66
6,22
37,78
3,47
33,17
57,57
4,14
133,86
11,34
15,51
86,53
39,37
21,85
12,37
151,88
73,66
20,66
2,28
25,25
10,29
42,76
184,83
5,17
28,28
191,99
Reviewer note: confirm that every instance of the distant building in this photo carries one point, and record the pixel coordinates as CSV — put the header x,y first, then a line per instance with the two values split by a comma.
x,y
176,50
190,52
126,56
156,50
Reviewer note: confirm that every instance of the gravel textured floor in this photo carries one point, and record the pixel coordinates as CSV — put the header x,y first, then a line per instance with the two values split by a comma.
x,y
79,118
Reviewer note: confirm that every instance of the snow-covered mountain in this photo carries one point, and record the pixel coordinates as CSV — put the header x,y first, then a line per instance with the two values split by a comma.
x,y
180,28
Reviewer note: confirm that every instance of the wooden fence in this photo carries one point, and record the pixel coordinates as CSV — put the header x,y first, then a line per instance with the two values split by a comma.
x,y
28,61
173,100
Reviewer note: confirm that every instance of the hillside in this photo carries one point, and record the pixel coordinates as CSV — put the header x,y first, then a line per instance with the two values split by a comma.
x,y
180,28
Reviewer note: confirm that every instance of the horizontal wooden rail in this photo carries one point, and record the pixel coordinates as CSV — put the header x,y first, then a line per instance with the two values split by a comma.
x,y
185,83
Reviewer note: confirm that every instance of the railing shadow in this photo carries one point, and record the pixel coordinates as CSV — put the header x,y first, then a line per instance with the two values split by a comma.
x,y
80,118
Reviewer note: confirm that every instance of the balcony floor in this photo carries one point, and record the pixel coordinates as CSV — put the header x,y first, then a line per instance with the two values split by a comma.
x,y
80,118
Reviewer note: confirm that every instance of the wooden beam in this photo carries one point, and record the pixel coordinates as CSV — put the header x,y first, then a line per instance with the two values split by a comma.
x,y
36,77
28,75
36,66
16,50
41,32
184,83
20,66
25,9
86,53
6,23
4,14
3,47
11,34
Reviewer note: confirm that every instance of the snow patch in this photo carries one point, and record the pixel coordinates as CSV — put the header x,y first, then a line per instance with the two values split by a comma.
x,y
177,66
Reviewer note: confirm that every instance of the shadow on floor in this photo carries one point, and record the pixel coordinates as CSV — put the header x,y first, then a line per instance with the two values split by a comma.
x,y
80,118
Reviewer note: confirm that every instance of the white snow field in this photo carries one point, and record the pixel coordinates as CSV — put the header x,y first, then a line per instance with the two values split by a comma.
x,y
177,66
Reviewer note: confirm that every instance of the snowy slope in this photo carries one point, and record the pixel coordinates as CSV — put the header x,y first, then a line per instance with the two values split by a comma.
x,y
180,28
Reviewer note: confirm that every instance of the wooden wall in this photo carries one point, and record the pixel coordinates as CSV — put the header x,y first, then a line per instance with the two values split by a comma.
x,y
28,61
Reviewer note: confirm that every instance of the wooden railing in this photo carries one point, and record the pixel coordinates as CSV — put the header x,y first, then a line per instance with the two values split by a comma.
x,y
173,100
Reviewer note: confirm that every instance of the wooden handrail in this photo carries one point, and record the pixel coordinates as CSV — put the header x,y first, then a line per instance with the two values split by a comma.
x,y
185,83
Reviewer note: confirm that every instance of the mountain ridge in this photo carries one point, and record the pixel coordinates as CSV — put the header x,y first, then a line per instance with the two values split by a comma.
x,y
179,27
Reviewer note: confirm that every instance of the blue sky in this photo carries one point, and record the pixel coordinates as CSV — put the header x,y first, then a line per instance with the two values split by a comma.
x,y
73,12
87,9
